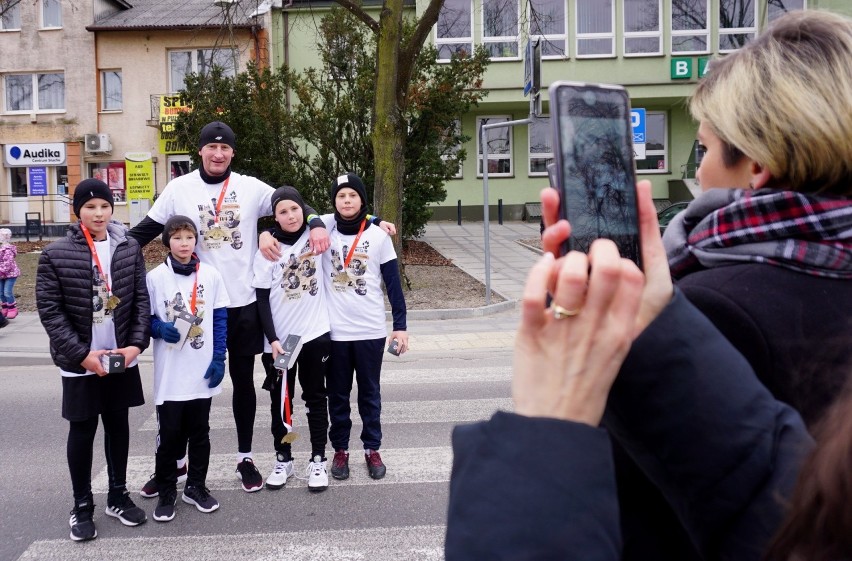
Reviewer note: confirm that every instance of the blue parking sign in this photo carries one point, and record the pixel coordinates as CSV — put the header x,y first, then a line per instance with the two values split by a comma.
x,y
637,119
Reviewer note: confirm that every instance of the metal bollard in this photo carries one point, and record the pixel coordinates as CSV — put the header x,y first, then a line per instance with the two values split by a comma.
x,y
500,211
459,211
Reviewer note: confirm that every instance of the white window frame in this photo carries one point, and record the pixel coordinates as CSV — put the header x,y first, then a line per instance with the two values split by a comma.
x,y
42,10
488,39
664,152
194,61
35,108
104,96
491,155
16,10
551,37
455,40
538,155
690,33
658,34
736,30
770,20
581,36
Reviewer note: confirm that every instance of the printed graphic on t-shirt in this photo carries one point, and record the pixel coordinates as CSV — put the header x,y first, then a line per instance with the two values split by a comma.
x,y
298,274
351,279
179,304
226,231
100,296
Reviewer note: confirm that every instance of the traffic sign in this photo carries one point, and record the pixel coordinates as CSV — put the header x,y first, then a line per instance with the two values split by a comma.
x,y
637,119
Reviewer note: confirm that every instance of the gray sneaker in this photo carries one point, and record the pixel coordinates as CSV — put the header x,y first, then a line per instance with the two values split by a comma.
x,y
200,497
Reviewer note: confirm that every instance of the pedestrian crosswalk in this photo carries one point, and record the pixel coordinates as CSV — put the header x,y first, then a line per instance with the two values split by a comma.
x,y
400,517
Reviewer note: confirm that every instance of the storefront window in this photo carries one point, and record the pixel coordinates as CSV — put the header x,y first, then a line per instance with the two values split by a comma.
x,y
113,174
19,182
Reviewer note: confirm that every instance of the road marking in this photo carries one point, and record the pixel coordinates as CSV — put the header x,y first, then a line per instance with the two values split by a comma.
x,y
403,412
415,543
405,465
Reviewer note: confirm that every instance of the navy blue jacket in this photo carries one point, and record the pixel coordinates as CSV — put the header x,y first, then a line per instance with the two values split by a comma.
x,y
686,406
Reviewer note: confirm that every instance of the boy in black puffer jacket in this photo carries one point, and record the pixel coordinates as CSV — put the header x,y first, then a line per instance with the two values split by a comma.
x,y
92,300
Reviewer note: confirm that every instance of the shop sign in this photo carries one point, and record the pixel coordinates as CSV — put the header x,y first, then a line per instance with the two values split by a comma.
x,y
44,154
37,181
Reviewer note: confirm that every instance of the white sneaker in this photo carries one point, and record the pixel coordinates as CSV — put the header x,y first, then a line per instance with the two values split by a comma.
x,y
283,470
317,475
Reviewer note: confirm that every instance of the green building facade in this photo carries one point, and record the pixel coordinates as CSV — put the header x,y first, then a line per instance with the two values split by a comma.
x,y
657,49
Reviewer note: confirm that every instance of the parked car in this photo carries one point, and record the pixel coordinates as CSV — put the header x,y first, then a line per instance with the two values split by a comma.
x,y
665,216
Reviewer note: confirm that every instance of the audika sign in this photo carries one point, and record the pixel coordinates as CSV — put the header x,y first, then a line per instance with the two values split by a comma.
x,y
45,154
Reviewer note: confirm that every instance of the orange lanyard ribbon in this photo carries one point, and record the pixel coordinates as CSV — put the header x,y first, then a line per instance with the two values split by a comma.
x,y
219,202
95,256
354,244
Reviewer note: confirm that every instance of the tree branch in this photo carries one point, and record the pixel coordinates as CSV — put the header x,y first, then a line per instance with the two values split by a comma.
x,y
359,13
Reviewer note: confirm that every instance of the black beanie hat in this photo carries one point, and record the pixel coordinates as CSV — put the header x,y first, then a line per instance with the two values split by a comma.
x,y
353,182
91,189
287,193
176,222
217,131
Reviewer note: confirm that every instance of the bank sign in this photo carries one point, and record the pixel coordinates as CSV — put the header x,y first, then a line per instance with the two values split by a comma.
x,y
23,155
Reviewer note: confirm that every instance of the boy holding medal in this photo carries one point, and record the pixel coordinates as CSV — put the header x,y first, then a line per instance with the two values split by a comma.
x,y
96,263
189,364
357,316
288,308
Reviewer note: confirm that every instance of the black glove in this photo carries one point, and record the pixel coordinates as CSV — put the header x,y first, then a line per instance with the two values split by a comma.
x,y
165,331
216,371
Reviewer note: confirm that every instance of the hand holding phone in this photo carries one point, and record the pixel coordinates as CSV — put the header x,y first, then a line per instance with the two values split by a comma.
x,y
595,173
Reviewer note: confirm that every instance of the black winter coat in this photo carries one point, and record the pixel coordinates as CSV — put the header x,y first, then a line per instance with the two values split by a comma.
x,y
64,295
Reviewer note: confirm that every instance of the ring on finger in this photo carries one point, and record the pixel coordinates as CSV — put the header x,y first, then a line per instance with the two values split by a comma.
x,y
561,313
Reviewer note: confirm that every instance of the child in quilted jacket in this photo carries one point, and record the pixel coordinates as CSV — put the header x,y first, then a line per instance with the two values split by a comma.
x,y
9,273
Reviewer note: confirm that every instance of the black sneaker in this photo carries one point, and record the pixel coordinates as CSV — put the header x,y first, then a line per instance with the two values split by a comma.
x,y
340,465
374,464
165,509
250,477
149,490
120,505
82,525
3,322
200,497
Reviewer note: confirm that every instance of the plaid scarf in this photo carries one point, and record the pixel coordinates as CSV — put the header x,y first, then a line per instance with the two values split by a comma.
x,y
798,231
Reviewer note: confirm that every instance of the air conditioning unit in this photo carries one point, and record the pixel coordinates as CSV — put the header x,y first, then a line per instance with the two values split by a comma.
x,y
98,143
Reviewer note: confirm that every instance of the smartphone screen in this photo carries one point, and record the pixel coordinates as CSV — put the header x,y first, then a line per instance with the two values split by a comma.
x,y
593,142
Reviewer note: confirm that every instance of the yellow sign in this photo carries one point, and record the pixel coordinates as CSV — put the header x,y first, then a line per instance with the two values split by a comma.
x,y
170,107
140,175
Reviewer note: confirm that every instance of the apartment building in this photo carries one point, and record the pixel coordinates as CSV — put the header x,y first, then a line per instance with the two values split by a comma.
x,y
89,88
657,49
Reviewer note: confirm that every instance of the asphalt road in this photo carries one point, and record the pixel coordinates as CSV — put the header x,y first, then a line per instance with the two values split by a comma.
x,y
459,371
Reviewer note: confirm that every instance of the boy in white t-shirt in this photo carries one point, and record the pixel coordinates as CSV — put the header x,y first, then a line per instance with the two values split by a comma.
x,y
361,257
189,364
291,302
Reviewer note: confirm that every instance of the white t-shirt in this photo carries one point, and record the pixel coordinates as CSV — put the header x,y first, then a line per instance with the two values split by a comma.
x,y
356,304
179,373
296,291
229,245
103,328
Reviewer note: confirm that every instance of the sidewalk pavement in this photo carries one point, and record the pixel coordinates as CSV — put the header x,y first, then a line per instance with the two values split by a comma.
x,y
24,341
465,245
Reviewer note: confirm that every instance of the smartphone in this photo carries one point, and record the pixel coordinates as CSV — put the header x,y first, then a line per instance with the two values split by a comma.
x,y
595,173
393,347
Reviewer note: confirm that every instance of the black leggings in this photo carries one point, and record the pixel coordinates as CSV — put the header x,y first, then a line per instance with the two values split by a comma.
x,y
241,369
81,439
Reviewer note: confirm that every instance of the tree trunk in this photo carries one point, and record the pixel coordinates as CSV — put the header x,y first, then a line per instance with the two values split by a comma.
x,y
389,132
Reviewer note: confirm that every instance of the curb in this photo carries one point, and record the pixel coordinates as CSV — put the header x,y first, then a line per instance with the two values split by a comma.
x,y
457,313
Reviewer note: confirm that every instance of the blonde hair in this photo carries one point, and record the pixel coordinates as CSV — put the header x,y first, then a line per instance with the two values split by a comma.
x,y
785,101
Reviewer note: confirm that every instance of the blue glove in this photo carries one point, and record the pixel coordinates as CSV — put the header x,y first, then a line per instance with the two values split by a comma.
x,y
164,330
216,371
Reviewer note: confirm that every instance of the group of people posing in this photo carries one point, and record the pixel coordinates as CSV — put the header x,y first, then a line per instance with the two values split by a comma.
x,y
223,292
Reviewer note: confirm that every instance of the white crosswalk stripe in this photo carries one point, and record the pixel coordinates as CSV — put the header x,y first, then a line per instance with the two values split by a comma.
x,y
405,465
416,543
406,412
